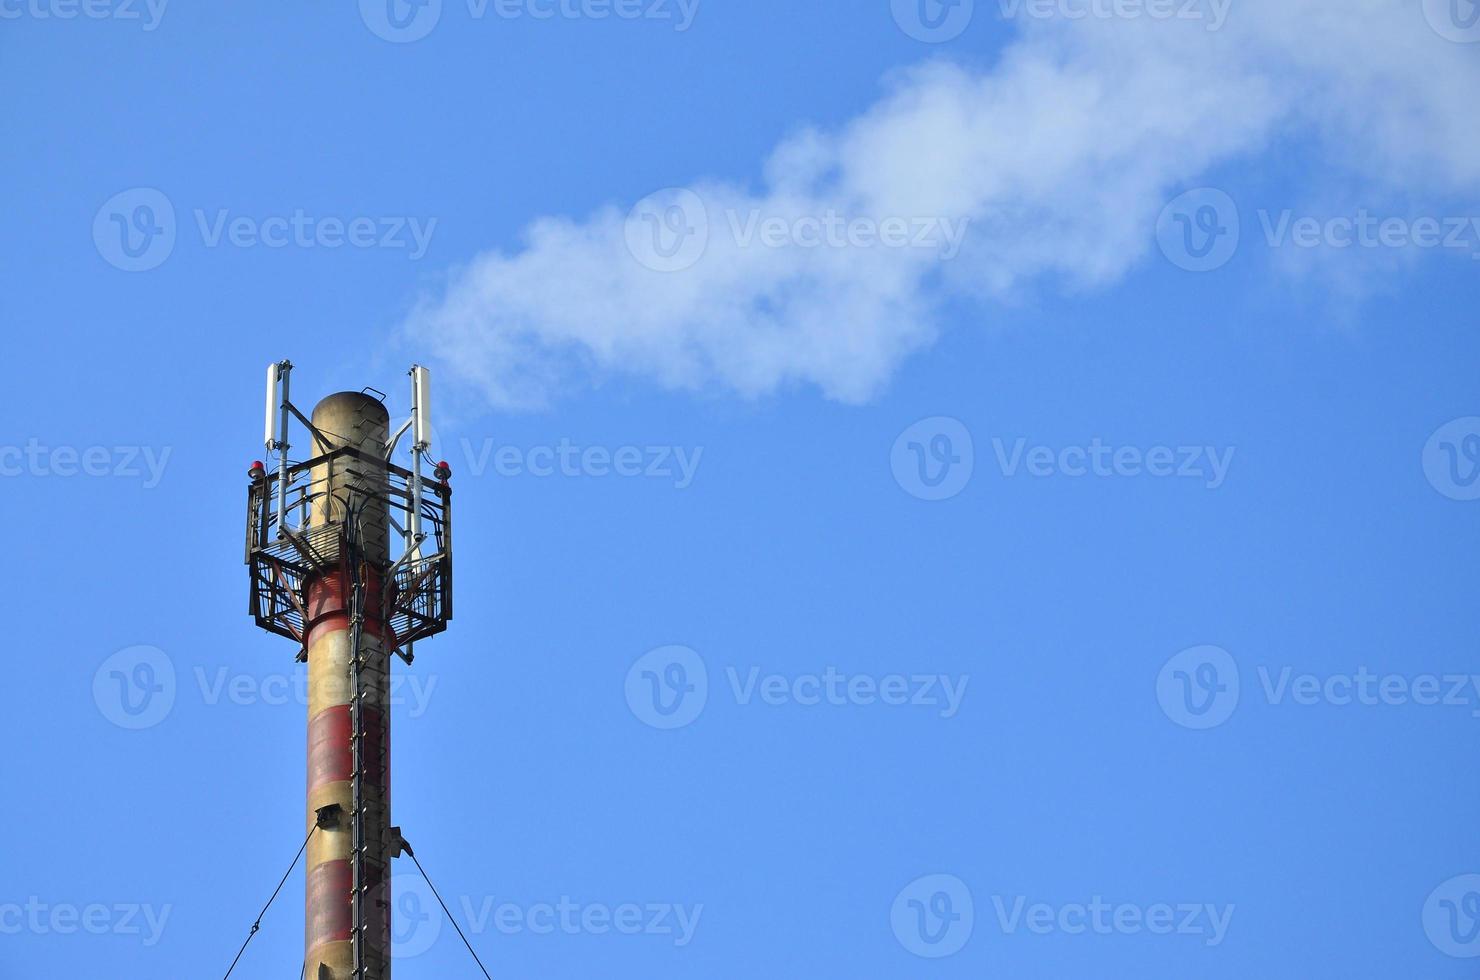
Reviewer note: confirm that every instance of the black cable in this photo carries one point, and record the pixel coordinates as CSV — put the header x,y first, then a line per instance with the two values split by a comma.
x,y
258,924
449,913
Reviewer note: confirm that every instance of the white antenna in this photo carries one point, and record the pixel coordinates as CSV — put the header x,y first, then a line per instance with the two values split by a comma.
x,y
275,432
421,424
271,436
421,407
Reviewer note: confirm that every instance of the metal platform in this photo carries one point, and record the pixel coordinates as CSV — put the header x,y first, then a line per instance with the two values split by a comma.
x,y
418,582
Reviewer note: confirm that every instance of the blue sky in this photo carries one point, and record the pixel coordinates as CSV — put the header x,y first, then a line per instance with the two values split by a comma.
x,y
1153,503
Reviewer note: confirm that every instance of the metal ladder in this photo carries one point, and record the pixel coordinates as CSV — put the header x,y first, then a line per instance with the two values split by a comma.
x,y
361,690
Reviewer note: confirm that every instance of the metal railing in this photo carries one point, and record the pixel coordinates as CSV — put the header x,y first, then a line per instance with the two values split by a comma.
x,y
311,539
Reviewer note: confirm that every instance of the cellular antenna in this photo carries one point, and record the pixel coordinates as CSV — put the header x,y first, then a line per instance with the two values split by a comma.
x,y
350,556
421,405
274,402
276,435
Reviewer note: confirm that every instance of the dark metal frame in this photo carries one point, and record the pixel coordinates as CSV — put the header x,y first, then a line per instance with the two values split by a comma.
x,y
418,599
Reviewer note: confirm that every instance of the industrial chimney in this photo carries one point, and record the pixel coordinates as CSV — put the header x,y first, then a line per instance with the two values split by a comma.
x,y
351,557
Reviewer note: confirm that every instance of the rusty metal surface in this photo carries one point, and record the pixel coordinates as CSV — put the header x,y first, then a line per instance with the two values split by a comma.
x,y
348,486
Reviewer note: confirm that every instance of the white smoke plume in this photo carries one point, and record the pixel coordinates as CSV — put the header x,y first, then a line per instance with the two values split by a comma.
x,y
1055,162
